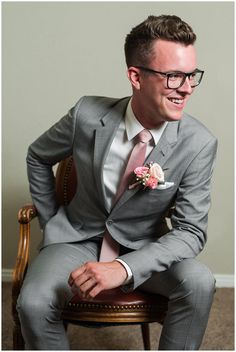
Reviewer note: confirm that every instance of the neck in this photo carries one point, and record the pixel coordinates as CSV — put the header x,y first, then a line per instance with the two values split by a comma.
x,y
144,116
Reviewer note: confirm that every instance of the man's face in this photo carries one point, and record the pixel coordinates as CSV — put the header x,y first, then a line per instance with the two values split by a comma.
x,y
153,102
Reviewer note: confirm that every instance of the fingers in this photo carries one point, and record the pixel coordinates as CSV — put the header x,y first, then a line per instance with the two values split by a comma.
x,y
94,277
87,287
75,274
95,291
83,280
84,289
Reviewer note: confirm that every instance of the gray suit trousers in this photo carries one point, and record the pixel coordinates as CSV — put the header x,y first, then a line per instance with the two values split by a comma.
x,y
189,285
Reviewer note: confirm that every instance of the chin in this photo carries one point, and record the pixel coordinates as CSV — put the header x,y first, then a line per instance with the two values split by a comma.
x,y
176,117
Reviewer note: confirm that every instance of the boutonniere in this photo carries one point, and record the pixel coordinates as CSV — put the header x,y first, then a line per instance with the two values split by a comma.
x,y
150,176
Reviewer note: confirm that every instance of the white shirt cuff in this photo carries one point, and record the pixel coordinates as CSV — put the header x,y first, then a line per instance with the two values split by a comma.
x,y
128,270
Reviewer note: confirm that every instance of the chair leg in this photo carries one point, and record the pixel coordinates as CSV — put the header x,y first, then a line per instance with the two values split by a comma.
x,y
146,336
18,341
65,323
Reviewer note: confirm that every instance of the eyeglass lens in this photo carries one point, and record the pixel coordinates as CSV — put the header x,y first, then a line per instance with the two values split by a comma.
x,y
177,79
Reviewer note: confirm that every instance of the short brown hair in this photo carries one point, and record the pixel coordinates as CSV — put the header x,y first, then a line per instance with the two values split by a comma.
x,y
138,44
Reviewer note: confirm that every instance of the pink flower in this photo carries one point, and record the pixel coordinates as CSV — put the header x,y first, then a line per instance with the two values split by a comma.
x,y
141,171
149,176
157,172
151,182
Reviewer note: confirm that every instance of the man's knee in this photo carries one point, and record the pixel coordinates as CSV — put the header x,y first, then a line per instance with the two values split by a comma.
x,y
32,304
195,279
40,317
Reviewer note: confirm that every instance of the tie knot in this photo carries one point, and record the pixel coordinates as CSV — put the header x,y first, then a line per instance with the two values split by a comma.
x,y
144,136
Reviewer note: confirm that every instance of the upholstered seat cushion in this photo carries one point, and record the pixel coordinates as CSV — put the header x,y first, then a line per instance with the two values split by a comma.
x,y
115,304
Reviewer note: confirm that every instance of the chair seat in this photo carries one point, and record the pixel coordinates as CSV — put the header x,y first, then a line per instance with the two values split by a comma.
x,y
117,306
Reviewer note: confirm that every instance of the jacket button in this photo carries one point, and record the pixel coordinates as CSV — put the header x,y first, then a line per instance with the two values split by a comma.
x,y
109,222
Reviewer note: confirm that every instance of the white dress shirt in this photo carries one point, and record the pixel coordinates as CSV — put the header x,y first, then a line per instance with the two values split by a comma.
x,y
117,157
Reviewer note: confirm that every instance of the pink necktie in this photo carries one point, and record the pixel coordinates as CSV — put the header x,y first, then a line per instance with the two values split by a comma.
x,y
110,248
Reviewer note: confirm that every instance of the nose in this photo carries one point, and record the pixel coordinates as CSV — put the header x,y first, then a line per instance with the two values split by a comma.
x,y
186,87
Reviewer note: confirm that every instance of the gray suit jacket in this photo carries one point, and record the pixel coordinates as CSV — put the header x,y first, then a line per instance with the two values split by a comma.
x,y
186,151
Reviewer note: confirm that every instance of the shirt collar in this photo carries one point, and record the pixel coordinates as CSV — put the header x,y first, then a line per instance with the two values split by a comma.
x,y
133,126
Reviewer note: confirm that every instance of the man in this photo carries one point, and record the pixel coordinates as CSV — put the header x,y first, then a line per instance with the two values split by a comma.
x,y
101,134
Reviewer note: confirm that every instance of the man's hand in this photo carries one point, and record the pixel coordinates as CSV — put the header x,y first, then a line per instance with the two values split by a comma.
x,y
94,277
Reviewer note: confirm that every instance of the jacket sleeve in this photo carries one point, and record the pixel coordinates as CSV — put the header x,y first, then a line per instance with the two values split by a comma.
x,y
49,149
187,237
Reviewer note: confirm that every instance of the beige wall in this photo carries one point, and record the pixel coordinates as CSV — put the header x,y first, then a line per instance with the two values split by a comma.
x,y
55,52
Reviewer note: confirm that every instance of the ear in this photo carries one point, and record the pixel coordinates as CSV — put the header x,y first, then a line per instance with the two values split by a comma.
x,y
134,77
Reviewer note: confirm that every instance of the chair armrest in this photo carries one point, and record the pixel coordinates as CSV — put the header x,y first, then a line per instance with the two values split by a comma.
x,y
25,215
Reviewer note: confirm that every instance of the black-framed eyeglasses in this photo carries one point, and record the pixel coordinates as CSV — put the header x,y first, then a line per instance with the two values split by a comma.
x,y
175,79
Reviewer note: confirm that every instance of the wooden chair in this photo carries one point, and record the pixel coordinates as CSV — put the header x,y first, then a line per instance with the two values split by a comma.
x,y
109,307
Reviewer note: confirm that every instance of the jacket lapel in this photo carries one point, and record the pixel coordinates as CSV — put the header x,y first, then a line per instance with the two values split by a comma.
x,y
165,145
104,136
159,154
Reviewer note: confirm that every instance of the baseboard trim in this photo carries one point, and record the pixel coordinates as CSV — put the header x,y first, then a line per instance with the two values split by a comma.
x,y
7,275
222,280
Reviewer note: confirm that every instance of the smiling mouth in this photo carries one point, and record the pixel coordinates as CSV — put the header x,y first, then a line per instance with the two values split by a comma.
x,y
177,101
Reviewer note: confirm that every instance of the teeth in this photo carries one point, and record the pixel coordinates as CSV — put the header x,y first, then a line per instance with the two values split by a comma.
x,y
176,100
